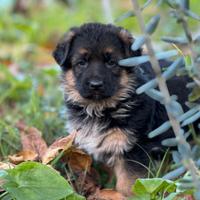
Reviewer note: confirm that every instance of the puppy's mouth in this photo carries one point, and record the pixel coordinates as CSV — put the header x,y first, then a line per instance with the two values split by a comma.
x,y
97,96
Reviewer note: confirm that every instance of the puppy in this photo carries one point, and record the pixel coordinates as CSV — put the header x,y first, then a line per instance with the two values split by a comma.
x,y
112,120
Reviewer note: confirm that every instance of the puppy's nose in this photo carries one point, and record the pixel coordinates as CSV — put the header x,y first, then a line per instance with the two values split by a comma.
x,y
95,84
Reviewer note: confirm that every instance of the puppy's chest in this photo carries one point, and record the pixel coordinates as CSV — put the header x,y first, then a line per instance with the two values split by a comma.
x,y
90,136
98,140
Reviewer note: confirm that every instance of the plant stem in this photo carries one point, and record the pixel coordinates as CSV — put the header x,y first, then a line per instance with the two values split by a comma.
x,y
187,161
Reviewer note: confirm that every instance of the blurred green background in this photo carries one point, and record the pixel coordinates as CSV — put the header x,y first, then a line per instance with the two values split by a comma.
x,y
29,77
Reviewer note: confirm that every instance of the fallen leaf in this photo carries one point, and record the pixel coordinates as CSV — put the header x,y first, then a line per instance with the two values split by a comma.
x,y
186,197
107,194
78,160
23,156
189,197
86,183
61,144
4,166
31,140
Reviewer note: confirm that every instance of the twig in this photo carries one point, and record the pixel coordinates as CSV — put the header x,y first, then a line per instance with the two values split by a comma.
x,y
107,11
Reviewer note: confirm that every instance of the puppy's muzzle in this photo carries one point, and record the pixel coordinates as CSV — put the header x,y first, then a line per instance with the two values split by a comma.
x,y
96,85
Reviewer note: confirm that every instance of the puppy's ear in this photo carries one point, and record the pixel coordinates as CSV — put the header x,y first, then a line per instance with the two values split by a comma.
x,y
128,40
62,49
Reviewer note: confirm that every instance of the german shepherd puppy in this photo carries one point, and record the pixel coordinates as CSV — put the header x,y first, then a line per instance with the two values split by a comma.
x,y
111,119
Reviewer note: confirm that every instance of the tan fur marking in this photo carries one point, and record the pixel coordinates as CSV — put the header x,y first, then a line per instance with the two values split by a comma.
x,y
70,88
82,51
126,36
114,141
68,36
108,50
124,179
124,78
124,82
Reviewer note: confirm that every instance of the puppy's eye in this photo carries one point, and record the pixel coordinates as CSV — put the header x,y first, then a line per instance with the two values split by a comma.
x,y
111,63
82,63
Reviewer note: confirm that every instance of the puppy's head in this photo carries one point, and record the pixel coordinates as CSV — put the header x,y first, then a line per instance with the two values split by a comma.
x,y
88,56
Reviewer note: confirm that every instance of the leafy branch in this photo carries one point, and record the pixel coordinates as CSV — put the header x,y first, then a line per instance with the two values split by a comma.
x,y
177,119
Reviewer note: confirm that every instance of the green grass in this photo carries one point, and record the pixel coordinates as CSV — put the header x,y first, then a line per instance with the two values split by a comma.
x,y
28,99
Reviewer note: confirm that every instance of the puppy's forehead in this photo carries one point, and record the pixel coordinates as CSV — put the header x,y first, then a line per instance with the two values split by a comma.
x,y
86,50
97,41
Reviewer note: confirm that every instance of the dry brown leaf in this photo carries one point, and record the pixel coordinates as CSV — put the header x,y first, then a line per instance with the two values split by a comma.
x,y
4,166
189,197
31,140
78,160
61,144
106,194
186,197
85,183
23,156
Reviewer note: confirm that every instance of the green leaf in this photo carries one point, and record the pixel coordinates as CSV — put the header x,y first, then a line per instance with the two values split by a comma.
x,y
195,95
153,186
141,197
188,63
31,180
6,197
75,196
